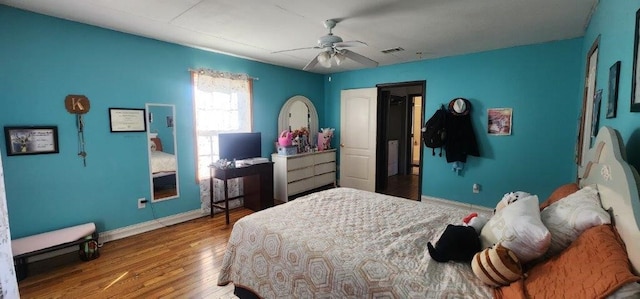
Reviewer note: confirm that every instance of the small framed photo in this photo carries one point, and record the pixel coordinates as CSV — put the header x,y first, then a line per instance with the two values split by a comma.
x,y
31,140
499,121
127,120
614,80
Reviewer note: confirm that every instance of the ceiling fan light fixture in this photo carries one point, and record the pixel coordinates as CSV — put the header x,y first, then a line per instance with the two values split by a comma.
x,y
324,58
339,58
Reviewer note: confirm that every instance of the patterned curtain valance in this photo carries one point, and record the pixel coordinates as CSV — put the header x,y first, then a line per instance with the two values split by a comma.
x,y
215,81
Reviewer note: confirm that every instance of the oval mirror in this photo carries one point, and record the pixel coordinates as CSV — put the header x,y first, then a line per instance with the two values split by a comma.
x,y
162,151
299,112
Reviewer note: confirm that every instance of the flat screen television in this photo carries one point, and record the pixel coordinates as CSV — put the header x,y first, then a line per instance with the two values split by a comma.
x,y
239,146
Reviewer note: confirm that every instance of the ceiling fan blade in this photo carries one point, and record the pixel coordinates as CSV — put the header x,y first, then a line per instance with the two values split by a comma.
x,y
351,43
359,58
296,49
311,64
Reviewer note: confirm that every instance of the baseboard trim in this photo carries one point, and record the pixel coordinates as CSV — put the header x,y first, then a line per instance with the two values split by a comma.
x,y
471,207
128,231
147,226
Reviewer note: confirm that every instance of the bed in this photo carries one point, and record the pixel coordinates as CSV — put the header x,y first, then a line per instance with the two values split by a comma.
x,y
347,243
163,165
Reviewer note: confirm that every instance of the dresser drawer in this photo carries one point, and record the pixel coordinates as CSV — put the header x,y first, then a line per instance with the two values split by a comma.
x,y
299,174
324,168
299,162
325,179
300,186
325,157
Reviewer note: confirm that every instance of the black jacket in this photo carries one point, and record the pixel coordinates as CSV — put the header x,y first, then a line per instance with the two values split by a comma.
x,y
461,139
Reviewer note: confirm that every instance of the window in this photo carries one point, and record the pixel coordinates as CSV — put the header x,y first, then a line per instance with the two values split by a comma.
x,y
222,104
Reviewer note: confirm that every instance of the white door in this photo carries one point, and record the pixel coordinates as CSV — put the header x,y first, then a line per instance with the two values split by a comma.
x,y
358,115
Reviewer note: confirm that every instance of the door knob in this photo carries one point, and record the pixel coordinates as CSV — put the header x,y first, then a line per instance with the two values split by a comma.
x,y
341,145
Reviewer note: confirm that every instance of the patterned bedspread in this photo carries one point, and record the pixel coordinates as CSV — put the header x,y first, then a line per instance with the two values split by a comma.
x,y
347,243
162,162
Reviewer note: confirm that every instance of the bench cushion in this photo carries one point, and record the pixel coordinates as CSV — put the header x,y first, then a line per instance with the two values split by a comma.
x,y
52,238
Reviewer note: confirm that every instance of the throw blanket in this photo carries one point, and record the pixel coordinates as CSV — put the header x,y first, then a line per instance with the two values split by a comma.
x,y
594,266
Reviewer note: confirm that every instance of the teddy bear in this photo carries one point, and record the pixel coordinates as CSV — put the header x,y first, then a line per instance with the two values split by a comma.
x,y
476,221
510,198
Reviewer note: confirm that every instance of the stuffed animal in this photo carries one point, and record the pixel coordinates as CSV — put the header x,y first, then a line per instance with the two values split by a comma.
x,y
458,243
285,138
510,198
324,138
476,221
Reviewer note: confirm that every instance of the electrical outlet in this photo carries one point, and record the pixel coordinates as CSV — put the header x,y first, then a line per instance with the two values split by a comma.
x,y
476,188
142,203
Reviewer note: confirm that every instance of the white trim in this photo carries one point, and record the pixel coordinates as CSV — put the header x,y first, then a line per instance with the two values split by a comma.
x,y
458,204
128,231
144,227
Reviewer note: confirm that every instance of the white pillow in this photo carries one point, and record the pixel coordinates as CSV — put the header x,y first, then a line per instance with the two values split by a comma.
x,y
567,218
519,228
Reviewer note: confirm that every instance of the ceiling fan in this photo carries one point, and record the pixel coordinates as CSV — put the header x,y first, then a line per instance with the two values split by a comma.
x,y
332,47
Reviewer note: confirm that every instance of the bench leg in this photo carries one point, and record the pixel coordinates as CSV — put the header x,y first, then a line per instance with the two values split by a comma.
x,y
20,265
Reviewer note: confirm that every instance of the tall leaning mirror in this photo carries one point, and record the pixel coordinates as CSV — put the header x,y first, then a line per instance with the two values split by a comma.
x,y
162,150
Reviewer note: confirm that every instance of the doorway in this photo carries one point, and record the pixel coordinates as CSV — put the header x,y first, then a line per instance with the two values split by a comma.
x,y
400,115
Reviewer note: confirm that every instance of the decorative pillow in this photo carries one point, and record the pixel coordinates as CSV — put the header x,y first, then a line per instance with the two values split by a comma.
x,y
594,266
560,193
568,218
152,146
496,266
519,228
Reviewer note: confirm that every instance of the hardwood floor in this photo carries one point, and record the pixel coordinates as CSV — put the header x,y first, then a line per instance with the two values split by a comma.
x,y
405,186
178,261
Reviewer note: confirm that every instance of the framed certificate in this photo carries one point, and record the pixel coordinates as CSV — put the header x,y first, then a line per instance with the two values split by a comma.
x,y
127,120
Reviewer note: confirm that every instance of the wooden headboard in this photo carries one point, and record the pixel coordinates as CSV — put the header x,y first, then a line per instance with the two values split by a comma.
x,y
618,185
158,143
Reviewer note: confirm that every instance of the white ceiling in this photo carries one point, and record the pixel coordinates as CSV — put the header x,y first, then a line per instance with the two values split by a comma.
x,y
254,29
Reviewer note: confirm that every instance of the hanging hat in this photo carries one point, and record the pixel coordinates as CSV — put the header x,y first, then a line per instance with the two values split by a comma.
x,y
459,106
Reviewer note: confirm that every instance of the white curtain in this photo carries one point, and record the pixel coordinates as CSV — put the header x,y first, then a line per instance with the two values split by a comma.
x,y
210,81
213,81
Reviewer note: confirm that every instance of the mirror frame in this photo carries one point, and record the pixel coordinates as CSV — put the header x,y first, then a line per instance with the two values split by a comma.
x,y
175,150
283,118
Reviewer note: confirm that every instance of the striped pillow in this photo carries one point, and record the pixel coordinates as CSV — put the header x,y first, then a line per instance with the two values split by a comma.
x,y
496,266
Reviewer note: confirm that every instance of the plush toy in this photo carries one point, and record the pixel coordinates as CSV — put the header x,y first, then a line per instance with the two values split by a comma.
x,y
510,198
285,138
476,221
458,243
324,138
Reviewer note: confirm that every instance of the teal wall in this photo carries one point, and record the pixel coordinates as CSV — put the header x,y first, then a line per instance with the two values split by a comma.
x,y
540,82
614,21
43,59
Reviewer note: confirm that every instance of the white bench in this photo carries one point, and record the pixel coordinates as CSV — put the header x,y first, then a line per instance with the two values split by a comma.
x,y
84,235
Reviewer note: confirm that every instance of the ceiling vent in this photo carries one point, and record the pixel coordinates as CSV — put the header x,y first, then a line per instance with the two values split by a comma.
x,y
392,50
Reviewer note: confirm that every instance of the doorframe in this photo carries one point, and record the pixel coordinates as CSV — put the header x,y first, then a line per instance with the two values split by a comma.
x,y
382,154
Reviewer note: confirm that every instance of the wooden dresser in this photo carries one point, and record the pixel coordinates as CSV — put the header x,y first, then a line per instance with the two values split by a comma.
x,y
298,173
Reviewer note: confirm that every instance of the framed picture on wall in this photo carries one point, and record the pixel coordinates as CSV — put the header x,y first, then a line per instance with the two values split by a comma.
x,y
127,120
499,121
31,140
614,79
595,116
635,83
